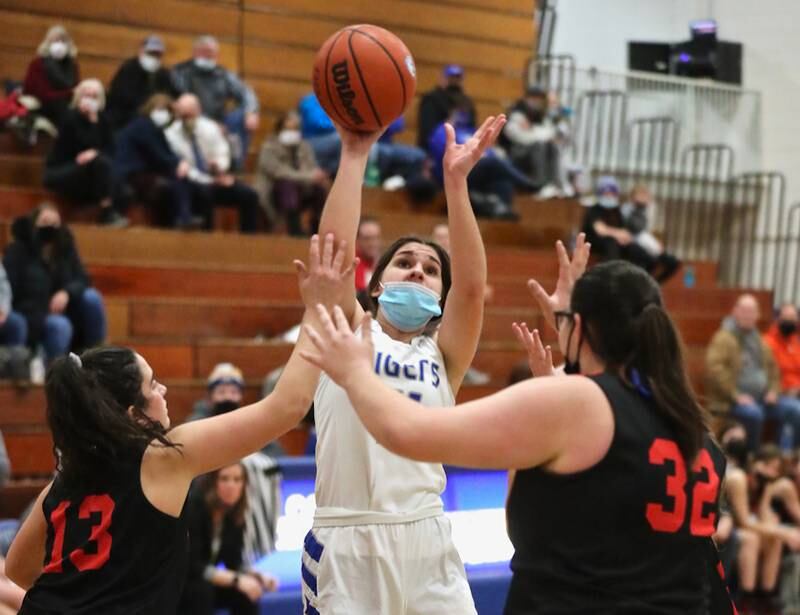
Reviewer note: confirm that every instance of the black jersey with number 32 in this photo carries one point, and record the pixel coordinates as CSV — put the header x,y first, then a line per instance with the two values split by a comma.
x,y
632,534
109,551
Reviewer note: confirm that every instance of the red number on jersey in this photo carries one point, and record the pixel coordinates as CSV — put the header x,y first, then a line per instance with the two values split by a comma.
x,y
102,504
704,492
662,520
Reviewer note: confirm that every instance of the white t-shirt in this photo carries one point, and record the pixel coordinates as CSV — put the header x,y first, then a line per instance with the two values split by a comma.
x,y
358,480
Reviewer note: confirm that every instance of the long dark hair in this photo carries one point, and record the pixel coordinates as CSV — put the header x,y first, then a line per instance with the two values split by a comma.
x,y
238,511
386,258
626,326
87,411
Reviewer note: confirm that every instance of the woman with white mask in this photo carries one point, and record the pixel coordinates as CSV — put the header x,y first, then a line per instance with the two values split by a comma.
x,y
146,168
288,180
78,167
53,74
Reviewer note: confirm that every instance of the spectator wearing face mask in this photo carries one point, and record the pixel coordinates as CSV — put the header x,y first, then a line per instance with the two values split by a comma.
x,y
226,393
437,105
662,265
288,180
50,286
605,229
216,87
200,142
79,166
146,168
530,137
782,337
53,74
136,80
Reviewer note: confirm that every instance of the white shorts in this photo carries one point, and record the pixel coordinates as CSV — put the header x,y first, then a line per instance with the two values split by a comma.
x,y
390,569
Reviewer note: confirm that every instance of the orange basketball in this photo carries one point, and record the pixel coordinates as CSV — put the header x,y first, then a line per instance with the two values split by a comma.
x,y
364,77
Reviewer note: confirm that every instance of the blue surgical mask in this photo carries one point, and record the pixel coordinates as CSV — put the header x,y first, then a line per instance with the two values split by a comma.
x,y
409,306
608,202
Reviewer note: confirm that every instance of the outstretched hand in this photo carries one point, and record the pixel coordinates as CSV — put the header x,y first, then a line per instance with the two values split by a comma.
x,y
569,270
325,281
540,357
340,353
460,158
359,143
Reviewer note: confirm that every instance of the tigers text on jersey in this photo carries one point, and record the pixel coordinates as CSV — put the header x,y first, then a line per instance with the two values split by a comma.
x,y
359,481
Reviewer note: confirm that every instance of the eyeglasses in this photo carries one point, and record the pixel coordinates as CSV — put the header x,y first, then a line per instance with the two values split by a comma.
x,y
562,315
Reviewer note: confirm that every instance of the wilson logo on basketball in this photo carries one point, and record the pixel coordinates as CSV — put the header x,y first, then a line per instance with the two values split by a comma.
x,y
341,77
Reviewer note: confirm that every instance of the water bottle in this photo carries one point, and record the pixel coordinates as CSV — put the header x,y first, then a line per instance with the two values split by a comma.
x,y
372,177
688,276
37,370
787,438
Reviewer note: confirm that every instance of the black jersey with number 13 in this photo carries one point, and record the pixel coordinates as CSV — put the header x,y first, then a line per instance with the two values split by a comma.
x,y
109,551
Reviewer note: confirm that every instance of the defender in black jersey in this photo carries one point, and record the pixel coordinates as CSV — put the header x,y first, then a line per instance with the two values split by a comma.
x,y
108,535
616,495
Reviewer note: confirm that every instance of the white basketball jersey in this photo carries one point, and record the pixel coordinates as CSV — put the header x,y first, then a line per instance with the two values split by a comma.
x,y
359,481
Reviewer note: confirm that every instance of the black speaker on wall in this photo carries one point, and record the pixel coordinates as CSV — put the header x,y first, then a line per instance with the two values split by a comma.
x,y
729,62
649,57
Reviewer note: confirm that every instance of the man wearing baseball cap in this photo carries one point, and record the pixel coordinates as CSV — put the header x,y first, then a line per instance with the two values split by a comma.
x,y
136,80
436,105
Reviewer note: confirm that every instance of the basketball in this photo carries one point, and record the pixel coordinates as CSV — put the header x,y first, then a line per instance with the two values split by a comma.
x,y
364,77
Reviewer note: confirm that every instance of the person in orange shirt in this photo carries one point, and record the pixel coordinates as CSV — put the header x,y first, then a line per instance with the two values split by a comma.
x,y
784,340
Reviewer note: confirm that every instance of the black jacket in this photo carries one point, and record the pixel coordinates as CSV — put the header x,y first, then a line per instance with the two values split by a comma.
x,y
435,107
33,281
201,530
130,89
142,147
77,134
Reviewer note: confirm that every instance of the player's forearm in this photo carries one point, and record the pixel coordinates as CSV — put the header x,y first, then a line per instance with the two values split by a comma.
x,y
467,254
343,207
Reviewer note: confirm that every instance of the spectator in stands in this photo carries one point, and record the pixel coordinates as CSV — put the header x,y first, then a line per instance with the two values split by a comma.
x,y
605,229
136,80
749,550
13,327
218,578
530,138
226,393
492,180
216,87
319,131
743,380
662,264
401,165
784,341
79,166
145,167
369,246
199,141
288,180
53,74
437,105
51,288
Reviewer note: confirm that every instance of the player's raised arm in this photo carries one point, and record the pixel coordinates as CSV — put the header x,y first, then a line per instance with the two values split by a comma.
x,y
463,312
342,210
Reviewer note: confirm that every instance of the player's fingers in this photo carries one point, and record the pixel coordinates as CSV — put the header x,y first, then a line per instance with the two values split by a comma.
x,y
563,257
315,337
314,359
328,327
342,326
450,134
313,252
366,328
548,356
351,268
338,259
484,127
327,251
300,267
